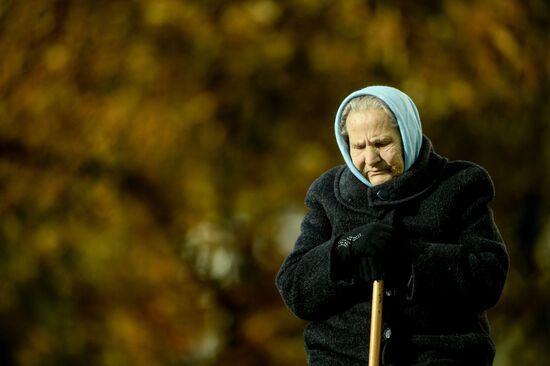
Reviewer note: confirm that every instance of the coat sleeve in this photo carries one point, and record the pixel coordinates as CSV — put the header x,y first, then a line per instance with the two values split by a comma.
x,y
470,269
305,280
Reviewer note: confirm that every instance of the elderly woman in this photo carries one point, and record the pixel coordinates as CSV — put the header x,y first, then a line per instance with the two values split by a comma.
x,y
395,211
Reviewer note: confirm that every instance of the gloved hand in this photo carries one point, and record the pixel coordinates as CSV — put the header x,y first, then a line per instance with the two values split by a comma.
x,y
368,249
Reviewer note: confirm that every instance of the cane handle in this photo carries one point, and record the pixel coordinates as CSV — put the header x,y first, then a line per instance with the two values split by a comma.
x,y
376,322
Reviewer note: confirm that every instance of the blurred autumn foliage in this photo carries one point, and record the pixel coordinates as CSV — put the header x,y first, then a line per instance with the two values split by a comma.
x,y
154,156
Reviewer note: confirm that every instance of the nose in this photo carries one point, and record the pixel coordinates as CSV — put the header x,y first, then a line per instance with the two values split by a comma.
x,y
371,156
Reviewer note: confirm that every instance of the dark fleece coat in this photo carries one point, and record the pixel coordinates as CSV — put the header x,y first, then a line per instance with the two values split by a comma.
x,y
458,265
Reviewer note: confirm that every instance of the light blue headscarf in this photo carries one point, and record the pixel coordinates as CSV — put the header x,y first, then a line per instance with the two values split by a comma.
x,y
407,117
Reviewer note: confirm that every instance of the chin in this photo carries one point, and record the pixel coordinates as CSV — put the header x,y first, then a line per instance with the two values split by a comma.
x,y
379,179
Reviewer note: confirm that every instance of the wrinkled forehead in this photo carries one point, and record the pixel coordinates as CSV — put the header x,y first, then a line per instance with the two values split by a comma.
x,y
372,122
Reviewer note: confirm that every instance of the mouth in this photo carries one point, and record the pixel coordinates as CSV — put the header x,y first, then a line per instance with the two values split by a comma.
x,y
377,172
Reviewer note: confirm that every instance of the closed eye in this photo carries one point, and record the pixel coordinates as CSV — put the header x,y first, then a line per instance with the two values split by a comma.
x,y
382,143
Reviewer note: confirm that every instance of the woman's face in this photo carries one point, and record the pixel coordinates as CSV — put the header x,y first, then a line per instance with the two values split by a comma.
x,y
375,145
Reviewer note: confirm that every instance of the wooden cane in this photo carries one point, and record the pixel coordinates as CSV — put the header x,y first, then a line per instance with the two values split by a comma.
x,y
376,322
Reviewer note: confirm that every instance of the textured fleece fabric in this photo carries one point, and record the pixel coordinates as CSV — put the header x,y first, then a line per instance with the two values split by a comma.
x,y
459,266
408,120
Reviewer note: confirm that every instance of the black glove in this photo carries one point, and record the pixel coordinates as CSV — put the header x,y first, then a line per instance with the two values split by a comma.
x,y
367,249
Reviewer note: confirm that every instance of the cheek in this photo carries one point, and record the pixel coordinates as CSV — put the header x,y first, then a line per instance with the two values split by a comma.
x,y
394,158
357,159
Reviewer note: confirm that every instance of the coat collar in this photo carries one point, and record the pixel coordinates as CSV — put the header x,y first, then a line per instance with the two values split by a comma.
x,y
414,182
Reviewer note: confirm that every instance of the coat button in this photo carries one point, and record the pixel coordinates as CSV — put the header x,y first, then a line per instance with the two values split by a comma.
x,y
387,333
383,195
